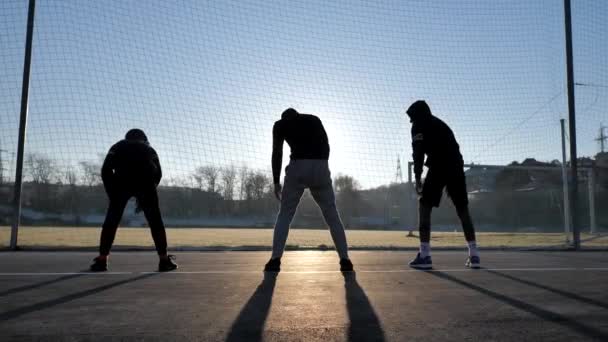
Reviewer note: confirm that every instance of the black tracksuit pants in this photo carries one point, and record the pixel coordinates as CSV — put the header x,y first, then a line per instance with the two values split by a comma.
x,y
148,200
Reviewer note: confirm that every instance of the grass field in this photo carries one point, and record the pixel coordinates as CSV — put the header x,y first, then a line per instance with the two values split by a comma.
x,y
227,238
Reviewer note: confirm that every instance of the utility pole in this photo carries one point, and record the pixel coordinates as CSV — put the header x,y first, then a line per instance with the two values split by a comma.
x,y
399,172
602,138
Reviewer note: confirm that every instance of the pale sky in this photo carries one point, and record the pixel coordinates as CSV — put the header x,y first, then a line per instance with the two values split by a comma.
x,y
207,79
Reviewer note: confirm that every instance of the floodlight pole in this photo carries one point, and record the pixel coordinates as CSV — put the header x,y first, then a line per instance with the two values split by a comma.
x,y
25,87
576,233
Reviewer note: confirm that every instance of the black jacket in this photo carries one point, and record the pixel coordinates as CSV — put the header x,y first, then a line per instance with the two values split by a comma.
x,y
131,164
434,138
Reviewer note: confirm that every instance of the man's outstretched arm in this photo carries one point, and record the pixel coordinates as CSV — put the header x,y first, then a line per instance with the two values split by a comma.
x,y
277,158
158,173
418,155
107,171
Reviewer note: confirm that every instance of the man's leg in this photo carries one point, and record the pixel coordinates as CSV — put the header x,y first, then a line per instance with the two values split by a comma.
x,y
108,231
424,227
149,204
432,190
148,200
326,200
467,222
290,198
457,190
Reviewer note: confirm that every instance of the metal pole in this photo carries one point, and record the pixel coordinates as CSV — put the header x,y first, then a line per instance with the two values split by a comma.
x,y
591,183
25,87
576,234
567,217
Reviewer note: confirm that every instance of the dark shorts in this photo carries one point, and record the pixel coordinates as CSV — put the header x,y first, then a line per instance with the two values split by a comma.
x,y
452,179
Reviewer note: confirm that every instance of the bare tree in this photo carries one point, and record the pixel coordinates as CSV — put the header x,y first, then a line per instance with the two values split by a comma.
x,y
42,169
348,196
259,183
206,178
243,181
228,182
68,176
91,173
346,183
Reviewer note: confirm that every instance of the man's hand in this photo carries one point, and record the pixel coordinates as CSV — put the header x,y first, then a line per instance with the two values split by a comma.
x,y
277,190
418,186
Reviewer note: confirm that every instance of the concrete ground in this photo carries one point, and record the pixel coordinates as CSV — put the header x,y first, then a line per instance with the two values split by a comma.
x,y
217,296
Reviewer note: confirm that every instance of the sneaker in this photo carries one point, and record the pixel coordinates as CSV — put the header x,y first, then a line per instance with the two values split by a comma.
x,y
165,265
273,265
99,265
346,265
422,263
473,262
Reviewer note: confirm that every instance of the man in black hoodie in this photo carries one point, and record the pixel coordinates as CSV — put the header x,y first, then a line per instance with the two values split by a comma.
x,y
132,169
433,138
308,168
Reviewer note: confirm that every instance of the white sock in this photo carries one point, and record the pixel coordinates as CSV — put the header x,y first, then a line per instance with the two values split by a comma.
x,y
473,248
425,249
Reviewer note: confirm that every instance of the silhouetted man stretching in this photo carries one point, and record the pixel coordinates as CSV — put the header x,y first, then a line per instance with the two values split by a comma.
x,y
308,168
132,169
433,138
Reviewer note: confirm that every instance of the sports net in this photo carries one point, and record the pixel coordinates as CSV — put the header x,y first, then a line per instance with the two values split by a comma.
x,y
206,81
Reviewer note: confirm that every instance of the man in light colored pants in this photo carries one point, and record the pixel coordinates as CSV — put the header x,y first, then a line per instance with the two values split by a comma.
x,y
313,174
308,168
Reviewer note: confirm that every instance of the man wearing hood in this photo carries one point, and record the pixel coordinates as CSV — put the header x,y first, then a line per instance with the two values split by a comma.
x,y
432,138
308,168
132,169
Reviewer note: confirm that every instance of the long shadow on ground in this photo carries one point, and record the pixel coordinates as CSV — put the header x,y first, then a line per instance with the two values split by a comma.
x,y
547,315
12,314
364,323
249,325
40,284
551,289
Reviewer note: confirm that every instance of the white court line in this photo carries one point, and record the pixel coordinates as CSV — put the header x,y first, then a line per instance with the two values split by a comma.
x,y
530,269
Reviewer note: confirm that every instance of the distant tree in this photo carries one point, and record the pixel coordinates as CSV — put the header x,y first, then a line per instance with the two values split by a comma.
x,y
91,173
243,177
345,184
206,178
348,196
42,169
258,184
71,195
228,182
68,176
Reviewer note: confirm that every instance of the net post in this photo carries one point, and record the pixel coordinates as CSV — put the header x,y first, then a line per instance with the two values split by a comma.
x,y
567,217
25,87
576,234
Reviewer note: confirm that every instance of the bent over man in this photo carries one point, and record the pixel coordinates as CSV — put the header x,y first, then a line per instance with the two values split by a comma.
x,y
308,168
433,138
132,169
